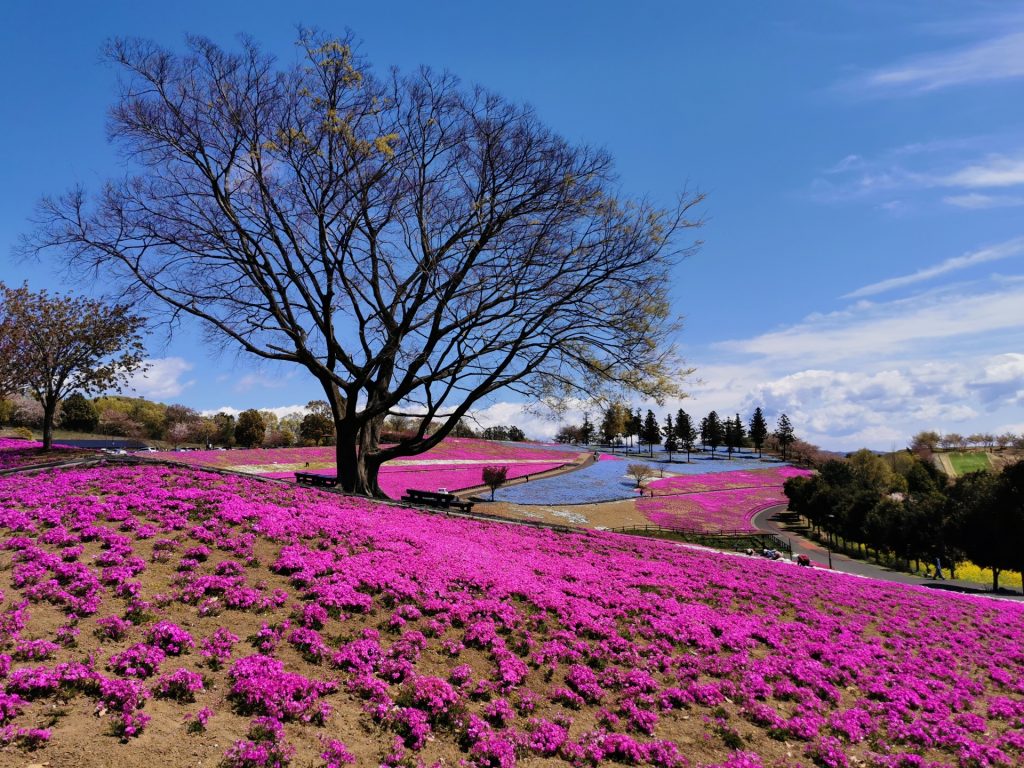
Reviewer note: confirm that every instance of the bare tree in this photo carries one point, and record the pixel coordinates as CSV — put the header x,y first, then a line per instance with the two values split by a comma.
x,y
639,472
415,245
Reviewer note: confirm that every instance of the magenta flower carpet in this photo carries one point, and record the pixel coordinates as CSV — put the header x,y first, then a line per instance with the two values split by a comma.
x,y
455,464
715,502
176,617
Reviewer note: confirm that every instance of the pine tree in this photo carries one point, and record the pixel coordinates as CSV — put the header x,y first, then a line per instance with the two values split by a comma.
x,y
758,429
730,435
784,434
685,432
636,425
739,432
715,432
671,439
651,432
587,430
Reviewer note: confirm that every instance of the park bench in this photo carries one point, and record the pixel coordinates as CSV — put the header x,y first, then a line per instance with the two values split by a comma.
x,y
316,481
436,499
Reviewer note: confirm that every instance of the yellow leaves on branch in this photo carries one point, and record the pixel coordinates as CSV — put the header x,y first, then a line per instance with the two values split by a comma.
x,y
337,56
383,144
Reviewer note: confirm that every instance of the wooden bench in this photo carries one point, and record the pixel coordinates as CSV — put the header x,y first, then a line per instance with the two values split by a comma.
x,y
436,500
316,481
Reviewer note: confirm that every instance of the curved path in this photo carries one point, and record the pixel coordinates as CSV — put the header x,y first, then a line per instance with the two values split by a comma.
x,y
819,555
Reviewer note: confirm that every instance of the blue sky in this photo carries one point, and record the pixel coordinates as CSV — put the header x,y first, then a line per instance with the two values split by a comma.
x,y
863,161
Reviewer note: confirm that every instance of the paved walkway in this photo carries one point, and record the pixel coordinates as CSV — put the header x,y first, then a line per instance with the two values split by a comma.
x,y
819,555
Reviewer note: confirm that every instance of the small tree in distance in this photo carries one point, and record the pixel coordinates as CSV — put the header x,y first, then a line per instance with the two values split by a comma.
x,y
79,414
784,434
650,432
317,425
711,431
686,432
250,430
671,439
61,344
758,429
639,472
494,478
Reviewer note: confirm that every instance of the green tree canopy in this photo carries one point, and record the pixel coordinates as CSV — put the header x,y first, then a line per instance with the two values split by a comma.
x,y
78,414
63,343
251,429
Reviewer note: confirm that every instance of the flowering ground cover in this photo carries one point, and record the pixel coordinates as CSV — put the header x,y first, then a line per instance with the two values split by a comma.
x,y
252,457
156,615
396,480
15,453
608,480
454,464
715,502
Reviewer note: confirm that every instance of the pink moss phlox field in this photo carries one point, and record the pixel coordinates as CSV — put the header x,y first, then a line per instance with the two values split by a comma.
x,y
494,643
24,453
395,481
718,501
451,449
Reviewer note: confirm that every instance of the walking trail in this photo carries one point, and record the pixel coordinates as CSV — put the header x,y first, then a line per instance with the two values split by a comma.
x,y
819,554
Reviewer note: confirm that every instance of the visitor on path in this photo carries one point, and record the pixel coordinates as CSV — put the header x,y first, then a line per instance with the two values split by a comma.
x,y
938,569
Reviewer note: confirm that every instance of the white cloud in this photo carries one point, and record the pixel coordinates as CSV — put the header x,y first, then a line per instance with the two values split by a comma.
x,y
996,171
1001,379
976,201
162,380
993,253
997,58
278,410
869,331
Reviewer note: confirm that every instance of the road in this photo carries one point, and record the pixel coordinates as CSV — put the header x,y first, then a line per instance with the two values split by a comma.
x,y
819,555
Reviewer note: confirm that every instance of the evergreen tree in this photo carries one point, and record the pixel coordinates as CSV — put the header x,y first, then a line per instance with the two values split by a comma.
x,y
739,435
758,429
671,439
636,425
731,441
587,430
685,432
714,432
784,434
651,432
77,413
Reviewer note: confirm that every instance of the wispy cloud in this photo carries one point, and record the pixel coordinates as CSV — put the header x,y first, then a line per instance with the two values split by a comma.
x,y
993,253
998,58
932,172
976,201
870,331
996,171
875,373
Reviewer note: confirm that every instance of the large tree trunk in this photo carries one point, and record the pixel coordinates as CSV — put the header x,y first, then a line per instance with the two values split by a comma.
x,y
49,413
995,579
345,455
